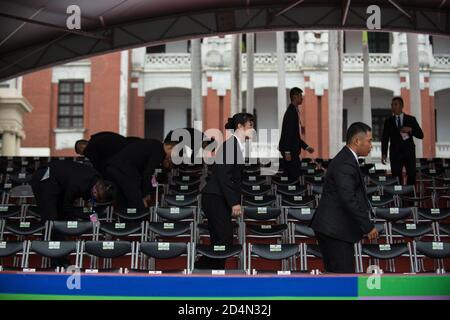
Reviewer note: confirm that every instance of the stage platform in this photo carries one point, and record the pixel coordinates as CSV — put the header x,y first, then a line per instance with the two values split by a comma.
x,y
32,286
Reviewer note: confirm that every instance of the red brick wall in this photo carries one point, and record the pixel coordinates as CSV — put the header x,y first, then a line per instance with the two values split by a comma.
x,y
38,91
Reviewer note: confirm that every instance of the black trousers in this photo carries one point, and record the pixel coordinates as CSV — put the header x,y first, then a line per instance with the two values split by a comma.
x,y
338,256
220,228
293,168
409,163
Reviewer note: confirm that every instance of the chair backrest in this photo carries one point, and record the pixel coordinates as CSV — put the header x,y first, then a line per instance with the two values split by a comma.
x,y
9,211
261,213
298,201
274,251
72,228
9,248
385,251
163,250
434,250
53,249
169,229
434,214
132,213
259,201
219,251
108,249
393,214
266,229
180,200
300,214
120,229
175,213
292,190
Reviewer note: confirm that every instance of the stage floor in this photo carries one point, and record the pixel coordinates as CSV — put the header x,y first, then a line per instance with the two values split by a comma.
x,y
14,285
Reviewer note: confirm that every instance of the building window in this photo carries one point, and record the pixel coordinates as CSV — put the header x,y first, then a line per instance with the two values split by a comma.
x,y
70,104
4,84
378,118
379,42
290,41
156,49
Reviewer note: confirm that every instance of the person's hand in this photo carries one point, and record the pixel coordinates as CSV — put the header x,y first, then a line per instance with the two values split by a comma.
x,y
236,211
288,156
383,159
406,129
147,201
372,235
310,149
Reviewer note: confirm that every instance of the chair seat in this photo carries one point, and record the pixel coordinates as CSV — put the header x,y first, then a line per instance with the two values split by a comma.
x,y
266,229
385,251
434,250
170,229
163,250
253,180
275,251
219,251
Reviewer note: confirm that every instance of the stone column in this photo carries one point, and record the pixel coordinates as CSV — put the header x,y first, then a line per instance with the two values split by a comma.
x,y
250,72
281,92
196,81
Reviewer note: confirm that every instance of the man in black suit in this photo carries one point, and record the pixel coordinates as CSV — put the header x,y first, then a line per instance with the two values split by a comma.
x,y
399,130
342,217
291,142
221,197
57,186
132,169
101,147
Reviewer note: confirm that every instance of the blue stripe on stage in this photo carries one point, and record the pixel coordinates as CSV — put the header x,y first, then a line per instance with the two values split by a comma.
x,y
181,286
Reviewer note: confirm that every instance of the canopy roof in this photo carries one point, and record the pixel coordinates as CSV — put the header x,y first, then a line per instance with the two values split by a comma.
x,y
33,33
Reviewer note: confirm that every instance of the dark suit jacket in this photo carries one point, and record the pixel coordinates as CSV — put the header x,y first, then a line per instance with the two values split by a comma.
x,y
343,211
103,145
139,160
290,133
68,181
226,177
399,147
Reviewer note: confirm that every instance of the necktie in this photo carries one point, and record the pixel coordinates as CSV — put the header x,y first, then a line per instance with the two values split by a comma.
x,y
398,122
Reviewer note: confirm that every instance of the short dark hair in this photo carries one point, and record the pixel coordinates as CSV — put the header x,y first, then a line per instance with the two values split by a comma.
x,y
399,99
239,118
108,191
356,128
294,91
80,141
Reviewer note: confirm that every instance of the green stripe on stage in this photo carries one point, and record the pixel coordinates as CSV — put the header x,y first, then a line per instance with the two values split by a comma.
x,y
61,297
407,285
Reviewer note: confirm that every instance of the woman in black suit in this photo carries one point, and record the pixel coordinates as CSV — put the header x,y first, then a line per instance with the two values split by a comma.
x,y
221,196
